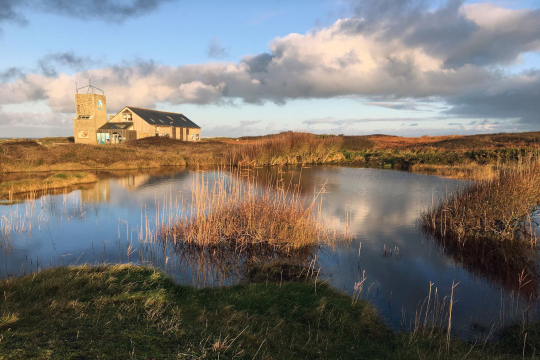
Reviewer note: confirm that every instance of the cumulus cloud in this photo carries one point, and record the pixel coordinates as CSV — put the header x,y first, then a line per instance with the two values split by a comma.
x,y
200,93
478,34
392,53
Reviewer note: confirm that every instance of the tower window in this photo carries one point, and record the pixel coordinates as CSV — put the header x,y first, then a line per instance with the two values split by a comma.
x,y
84,117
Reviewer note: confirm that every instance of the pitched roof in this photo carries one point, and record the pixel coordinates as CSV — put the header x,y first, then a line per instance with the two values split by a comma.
x,y
162,118
116,125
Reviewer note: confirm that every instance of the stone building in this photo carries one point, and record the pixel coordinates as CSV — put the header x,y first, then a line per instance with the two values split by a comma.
x,y
91,125
91,115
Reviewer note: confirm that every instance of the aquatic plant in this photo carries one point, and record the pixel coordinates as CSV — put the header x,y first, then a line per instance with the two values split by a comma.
x,y
237,211
499,209
490,227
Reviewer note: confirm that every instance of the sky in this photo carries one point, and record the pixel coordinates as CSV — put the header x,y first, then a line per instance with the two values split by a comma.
x,y
237,68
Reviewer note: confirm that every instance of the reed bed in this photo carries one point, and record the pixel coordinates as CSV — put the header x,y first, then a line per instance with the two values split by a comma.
x,y
287,148
491,227
57,181
472,170
501,209
240,211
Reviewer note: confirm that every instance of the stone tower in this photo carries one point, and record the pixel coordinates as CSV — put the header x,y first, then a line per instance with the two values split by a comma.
x,y
91,115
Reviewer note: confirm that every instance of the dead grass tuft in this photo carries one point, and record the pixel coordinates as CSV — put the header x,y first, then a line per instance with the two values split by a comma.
x,y
239,212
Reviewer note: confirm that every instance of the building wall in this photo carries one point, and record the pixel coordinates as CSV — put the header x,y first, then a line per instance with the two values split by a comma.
x,y
85,129
195,133
144,129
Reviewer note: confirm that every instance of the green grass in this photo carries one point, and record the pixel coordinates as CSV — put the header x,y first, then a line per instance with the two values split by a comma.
x,y
127,311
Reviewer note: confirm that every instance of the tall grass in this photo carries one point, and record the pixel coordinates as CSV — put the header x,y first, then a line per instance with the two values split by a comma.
x,y
239,211
53,182
286,148
501,209
491,227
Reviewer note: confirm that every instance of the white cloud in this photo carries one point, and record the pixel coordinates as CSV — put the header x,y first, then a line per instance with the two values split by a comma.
x,y
430,57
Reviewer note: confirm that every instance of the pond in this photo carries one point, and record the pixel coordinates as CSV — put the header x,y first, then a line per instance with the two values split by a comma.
x,y
110,222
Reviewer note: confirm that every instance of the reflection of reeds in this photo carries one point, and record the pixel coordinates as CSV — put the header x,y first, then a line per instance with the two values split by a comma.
x,y
236,223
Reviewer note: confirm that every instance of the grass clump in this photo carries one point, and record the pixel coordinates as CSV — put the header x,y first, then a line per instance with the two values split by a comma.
x,y
240,212
489,227
499,209
53,182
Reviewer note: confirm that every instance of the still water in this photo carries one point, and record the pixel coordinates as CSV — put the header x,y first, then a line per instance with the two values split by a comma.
x,y
108,222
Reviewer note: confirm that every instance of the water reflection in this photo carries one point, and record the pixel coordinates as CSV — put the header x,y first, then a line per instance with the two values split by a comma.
x,y
114,219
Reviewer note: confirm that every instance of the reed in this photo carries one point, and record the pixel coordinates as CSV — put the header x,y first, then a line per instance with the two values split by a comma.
x,y
237,211
471,170
287,148
53,182
490,227
500,209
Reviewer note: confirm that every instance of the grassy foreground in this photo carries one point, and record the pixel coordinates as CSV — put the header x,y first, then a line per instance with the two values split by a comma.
x,y
127,311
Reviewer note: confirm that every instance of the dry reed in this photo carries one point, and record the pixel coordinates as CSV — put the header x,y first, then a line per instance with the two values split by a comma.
x,y
54,182
491,227
240,212
287,148
499,209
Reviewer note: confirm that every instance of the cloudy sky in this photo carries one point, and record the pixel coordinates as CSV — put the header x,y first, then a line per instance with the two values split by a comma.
x,y
404,67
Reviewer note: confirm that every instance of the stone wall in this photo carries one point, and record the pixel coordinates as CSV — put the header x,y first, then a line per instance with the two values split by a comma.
x,y
94,106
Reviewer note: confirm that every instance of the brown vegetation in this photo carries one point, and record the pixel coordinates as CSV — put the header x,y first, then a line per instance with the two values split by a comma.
x,y
239,212
472,171
23,156
287,148
499,209
461,154
490,227
9,189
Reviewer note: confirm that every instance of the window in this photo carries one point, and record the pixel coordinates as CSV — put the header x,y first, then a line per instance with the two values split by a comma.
x,y
84,117
161,121
126,116
196,136
192,136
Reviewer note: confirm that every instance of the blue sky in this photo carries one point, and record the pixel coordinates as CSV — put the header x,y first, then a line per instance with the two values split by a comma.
x,y
353,67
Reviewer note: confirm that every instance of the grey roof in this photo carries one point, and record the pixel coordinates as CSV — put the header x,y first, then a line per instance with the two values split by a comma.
x,y
116,125
162,118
